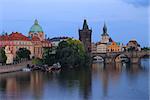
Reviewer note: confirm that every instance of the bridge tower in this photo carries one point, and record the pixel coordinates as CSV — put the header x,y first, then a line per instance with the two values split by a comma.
x,y
85,36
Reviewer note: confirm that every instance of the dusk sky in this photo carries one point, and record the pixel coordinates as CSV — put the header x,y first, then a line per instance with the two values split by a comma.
x,y
125,19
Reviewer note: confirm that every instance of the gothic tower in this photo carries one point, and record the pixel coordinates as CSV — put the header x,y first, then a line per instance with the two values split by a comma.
x,y
85,36
105,36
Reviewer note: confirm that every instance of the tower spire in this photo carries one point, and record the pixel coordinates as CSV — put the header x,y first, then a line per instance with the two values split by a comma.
x,y
85,25
104,28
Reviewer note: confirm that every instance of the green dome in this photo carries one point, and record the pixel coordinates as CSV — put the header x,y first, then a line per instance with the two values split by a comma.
x,y
36,27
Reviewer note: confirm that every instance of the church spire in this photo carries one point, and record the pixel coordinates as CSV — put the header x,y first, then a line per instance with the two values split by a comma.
x,y
85,25
105,30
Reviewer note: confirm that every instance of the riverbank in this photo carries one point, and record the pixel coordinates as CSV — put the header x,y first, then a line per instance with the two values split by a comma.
x,y
14,67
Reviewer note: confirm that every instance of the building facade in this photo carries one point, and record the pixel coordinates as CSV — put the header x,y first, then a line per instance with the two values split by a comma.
x,y
37,37
106,43
101,47
35,42
133,45
56,40
85,36
114,47
14,41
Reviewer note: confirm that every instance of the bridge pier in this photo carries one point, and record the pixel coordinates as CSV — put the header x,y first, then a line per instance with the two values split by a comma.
x,y
109,60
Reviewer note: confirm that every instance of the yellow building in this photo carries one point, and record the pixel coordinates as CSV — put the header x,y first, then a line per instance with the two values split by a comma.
x,y
114,47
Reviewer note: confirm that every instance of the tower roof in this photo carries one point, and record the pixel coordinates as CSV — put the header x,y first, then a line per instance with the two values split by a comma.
x,y
105,30
85,25
36,27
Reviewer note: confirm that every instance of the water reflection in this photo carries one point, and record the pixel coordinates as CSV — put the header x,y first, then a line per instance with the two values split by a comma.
x,y
115,80
102,82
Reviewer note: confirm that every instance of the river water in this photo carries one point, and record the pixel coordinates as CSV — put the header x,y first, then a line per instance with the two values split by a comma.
x,y
109,82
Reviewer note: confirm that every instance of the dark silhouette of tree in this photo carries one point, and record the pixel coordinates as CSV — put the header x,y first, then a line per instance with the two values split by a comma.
x,y
22,54
49,56
146,48
37,61
69,54
3,56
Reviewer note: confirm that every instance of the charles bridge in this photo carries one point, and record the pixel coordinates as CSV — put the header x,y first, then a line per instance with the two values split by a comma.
x,y
133,56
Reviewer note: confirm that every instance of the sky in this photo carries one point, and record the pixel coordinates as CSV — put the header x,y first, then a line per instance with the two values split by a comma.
x,y
125,19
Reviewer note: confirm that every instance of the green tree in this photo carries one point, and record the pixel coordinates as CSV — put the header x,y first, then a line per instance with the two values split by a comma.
x,y
49,56
3,56
23,53
71,53
146,48
37,61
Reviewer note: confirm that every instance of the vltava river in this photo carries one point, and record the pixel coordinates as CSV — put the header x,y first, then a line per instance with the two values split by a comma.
x,y
109,82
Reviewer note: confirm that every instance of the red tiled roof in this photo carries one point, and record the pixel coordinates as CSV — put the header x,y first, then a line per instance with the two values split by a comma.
x,y
18,36
4,38
14,36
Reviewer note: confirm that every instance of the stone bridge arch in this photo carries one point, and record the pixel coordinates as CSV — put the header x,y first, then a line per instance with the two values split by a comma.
x,y
133,57
121,57
98,57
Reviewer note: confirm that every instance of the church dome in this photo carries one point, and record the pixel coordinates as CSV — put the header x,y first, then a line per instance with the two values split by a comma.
x,y
36,27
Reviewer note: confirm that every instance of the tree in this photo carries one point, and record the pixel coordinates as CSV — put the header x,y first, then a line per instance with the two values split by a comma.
x,y
71,53
49,56
37,61
3,56
23,53
146,48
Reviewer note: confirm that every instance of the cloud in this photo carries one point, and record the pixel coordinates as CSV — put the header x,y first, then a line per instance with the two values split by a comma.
x,y
138,3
